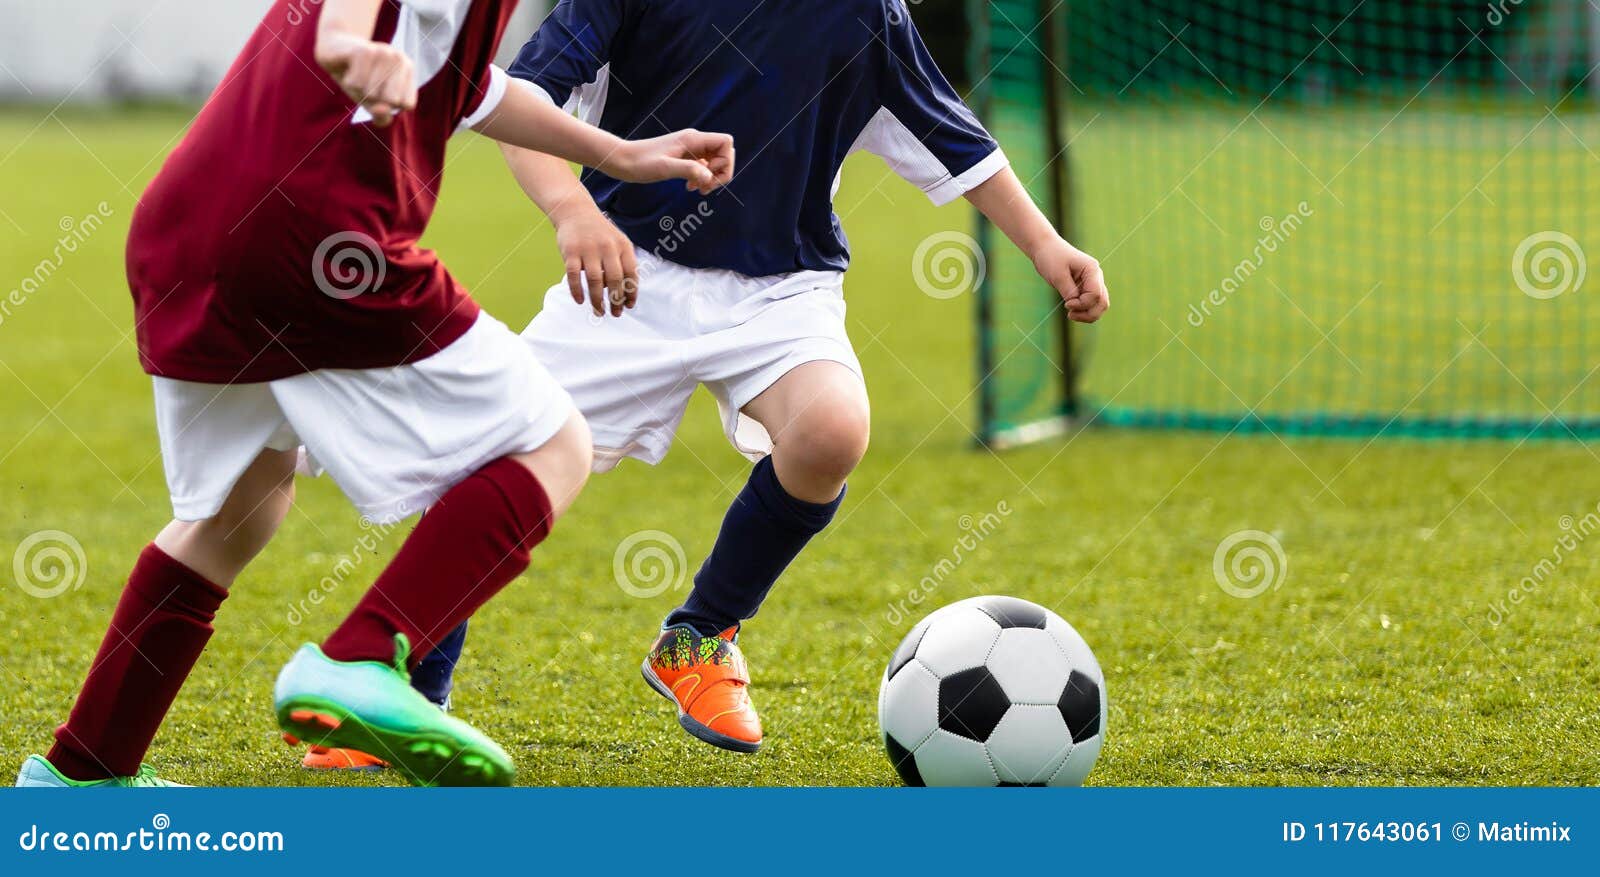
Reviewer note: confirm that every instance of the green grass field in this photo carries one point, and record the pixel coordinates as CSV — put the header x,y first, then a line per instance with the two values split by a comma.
x,y
1391,653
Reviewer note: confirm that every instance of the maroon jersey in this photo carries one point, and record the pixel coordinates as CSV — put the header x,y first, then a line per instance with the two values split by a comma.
x,y
281,235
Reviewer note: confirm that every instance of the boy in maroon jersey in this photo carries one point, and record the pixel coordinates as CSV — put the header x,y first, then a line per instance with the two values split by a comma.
x,y
281,300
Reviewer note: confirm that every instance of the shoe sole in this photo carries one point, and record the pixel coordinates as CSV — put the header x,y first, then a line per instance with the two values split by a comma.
x,y
424,758
690,723
336,768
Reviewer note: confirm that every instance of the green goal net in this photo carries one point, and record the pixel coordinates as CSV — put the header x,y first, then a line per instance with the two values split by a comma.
x,y
1316,217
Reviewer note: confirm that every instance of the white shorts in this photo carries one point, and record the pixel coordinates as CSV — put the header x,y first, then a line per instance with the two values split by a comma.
x,y
632,376
393,439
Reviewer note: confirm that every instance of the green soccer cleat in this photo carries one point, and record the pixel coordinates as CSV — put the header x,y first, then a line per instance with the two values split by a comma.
x,y
371,706
37,773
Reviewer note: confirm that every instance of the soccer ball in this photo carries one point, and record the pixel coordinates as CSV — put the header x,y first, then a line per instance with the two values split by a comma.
x,y
993,691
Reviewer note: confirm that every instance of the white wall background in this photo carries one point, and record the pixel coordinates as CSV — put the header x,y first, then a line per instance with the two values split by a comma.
x,y
98,50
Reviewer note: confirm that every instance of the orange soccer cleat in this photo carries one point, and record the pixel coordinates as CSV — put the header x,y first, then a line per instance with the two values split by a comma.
x,y
706,677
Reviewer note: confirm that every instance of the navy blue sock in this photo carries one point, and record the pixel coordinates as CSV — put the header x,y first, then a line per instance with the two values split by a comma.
x,y
763,532
435,675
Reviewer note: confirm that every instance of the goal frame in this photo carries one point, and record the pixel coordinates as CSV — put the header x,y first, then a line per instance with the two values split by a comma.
x,y
1047,40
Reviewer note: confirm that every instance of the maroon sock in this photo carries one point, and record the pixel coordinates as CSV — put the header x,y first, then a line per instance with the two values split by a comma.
x,y
161,625
469,545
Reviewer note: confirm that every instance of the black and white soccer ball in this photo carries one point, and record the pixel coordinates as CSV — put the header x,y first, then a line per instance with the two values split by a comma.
x,y
993,691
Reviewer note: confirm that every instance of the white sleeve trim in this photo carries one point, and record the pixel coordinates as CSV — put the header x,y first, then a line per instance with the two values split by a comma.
x,y
498,82
887,137
975,176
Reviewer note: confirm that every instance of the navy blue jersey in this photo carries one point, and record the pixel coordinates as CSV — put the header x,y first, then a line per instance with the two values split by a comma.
x,y
800,84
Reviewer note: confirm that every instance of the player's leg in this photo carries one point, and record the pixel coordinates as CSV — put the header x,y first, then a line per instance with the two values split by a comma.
x,y
497,455
818,420
434,677
633,377
479,533
159,628
355,692
220,547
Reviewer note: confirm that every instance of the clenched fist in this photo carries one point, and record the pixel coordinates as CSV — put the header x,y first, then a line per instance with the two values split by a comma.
x,y
1077,277
377,76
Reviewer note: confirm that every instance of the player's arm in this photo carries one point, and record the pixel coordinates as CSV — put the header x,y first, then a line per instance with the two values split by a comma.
x,y
375,75
526,119
932,139
591,247
1074,273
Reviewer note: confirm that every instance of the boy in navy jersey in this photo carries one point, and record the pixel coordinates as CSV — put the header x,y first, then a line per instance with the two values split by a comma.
x,y
281,300
744,289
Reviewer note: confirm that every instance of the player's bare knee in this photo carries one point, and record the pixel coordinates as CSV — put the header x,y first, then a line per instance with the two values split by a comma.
x,y
563,463
829,440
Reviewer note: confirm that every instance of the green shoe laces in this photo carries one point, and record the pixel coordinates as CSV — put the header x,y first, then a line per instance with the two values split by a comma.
x,y
144,779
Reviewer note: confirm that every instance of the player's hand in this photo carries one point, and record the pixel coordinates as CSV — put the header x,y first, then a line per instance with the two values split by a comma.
x,y
704,160
377,76
601,267
1077,277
